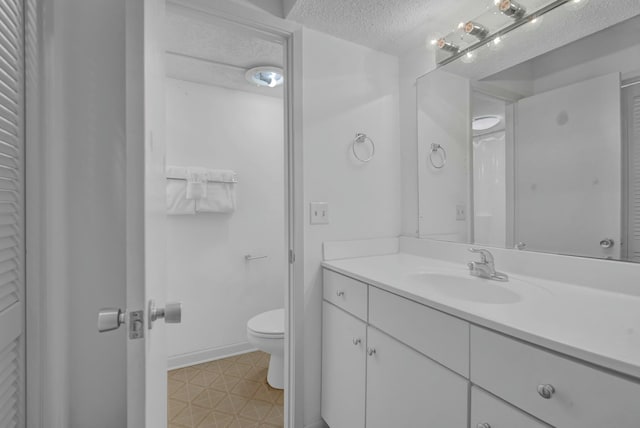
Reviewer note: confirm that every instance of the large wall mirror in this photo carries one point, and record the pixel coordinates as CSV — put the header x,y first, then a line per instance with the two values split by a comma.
x,y
533,142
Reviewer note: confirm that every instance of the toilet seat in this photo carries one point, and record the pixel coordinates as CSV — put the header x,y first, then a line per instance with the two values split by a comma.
x,y
268,324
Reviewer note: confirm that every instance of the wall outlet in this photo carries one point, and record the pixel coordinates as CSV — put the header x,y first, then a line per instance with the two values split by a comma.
x,y
319,212
461,213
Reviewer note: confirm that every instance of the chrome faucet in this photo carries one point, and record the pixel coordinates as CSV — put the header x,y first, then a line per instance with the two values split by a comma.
x,y
485,268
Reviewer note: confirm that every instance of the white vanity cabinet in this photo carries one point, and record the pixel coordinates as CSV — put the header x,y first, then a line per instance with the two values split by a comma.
x,y
403,387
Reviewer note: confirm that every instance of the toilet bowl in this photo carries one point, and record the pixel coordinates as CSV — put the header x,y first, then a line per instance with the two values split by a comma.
x,y
265,331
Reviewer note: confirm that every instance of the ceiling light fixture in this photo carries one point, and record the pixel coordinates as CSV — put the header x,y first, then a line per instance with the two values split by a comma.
x,y
482,123
265,76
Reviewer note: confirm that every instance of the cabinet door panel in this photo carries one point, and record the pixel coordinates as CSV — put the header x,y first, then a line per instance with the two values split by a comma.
x,y
486,409
343,368
405,389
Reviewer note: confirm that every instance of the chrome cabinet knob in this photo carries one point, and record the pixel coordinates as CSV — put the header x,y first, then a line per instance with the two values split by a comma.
x,y
546,391
356,341
172,313
607,243
110,319
339,293
371,351
483,425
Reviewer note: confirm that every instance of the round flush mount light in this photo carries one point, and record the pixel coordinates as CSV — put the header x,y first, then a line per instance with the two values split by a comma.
x,y
268,77
482,123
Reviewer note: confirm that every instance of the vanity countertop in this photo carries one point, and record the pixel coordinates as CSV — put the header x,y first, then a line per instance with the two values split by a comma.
x,y
596,326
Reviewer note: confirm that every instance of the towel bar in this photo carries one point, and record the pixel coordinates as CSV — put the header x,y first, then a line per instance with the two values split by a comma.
x,y
208,181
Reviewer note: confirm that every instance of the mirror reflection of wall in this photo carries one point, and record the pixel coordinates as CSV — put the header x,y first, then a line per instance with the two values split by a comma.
x,y
558,170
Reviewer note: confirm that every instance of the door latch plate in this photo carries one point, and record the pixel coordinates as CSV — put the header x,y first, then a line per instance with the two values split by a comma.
x,y
136,325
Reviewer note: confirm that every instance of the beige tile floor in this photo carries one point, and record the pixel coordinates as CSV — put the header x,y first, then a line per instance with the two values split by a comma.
x,y
232,392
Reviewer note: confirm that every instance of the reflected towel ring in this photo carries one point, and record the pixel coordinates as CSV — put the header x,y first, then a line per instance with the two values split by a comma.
x,y
437,148
362,139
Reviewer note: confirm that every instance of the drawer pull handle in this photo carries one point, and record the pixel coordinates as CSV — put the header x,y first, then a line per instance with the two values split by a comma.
x,y
356,341
546,391
483,425
371,351
339,293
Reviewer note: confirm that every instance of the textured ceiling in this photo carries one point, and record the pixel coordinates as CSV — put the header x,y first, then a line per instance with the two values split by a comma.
x,y
217,53
392,26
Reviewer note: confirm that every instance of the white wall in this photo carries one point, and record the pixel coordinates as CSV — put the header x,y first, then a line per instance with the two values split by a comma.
x,y
346,89
222,128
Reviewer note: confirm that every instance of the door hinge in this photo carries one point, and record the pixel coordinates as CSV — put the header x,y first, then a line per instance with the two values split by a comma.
x,y
292,257
136,324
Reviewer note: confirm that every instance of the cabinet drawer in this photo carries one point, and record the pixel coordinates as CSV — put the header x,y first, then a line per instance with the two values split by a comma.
x,y
346,293
488,411
435,334
583,396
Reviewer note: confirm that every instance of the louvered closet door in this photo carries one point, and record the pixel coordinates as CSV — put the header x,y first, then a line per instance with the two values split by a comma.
x,y
632,113
12,234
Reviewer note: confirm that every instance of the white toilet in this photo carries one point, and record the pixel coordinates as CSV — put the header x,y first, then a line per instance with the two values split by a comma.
x,y
265,331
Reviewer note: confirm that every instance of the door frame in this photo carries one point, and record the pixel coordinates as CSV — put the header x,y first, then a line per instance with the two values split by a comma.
x,y
291,34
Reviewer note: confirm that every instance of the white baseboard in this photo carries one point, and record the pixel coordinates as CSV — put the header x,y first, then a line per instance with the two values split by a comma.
x,y
319,424
204,355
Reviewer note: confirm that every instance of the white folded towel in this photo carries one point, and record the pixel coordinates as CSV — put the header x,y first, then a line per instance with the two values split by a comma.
x,y
197,182
194,189
221,198
177,203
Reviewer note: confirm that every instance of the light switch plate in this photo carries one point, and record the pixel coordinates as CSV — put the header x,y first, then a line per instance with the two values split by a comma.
x,y
461,213
319,212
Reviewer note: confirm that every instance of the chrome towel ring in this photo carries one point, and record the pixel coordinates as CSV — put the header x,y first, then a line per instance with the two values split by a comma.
x,y
437,148
363,139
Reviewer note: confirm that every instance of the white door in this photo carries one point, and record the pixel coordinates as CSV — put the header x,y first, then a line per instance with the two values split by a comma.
x,y
146,357
423,393
12,236
568,169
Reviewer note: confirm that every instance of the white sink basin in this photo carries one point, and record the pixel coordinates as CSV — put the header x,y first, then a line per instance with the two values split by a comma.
x,y
468,287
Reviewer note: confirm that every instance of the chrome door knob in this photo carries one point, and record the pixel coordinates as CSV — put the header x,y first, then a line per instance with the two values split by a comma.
x,y
172,313
371,351
110,319
356,341
483,425
339,293
546,391
607,243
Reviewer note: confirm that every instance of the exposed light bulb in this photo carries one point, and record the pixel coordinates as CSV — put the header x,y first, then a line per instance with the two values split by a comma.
x,y
433,41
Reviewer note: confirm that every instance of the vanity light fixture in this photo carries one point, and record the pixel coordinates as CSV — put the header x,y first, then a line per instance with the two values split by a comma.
x,y
482,123
447,46
512,9
475,29
265,76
